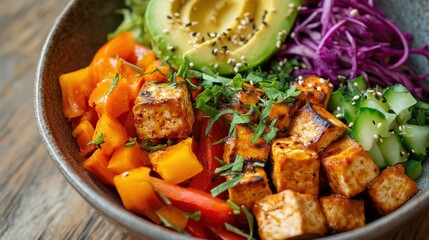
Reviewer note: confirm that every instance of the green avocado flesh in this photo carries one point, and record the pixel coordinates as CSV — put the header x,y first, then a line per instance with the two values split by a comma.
x,y
225,36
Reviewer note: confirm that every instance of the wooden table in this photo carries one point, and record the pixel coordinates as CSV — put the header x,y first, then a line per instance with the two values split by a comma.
x,y
36,202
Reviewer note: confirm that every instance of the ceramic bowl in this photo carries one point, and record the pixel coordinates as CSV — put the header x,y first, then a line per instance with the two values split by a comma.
x,y
81,29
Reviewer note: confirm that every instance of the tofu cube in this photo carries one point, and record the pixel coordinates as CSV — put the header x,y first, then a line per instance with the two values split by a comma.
x,y
252,187
163,111
349,169
295,167
289,214
315,90
343,214
284,112
242,145
315,127
391,189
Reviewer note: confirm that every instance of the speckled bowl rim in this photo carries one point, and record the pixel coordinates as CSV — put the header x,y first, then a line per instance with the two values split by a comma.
x,y
140,227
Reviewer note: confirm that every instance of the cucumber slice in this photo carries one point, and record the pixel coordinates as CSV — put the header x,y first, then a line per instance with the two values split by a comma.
x,y
404,116
399,98
416,139
392,150
360,84
343,105
377,156
370,100
414,169
367,126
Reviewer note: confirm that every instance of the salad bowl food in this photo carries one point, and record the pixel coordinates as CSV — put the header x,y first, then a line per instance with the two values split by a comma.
x,y
82,29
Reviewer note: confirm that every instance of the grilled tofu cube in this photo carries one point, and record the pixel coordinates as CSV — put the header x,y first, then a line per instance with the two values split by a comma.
x,y
315,127
348,167
284,112
295,167
391,189
343,214
252,187
289,214
242,145
315,90
163,111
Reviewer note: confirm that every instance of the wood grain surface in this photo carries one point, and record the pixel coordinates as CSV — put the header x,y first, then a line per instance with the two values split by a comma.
x,y
36,202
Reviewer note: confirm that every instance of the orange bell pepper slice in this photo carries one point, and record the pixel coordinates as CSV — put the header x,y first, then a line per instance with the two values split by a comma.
x,y
176,163
174,216
109,133
137,193
96,164
75,89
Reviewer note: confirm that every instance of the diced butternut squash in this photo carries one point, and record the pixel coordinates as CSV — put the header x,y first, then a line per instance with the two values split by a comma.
x,y
111,96
147,59
112,133
127,158
176,163
97,165
75,90
174,216
137,193
156,72
83,134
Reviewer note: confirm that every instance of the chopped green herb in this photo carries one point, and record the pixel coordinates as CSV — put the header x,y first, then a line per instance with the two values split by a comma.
x,y
163,197
196,216
250,221
237,231
114,84
98,141
226,185
258,164
235,208
170,225
131,142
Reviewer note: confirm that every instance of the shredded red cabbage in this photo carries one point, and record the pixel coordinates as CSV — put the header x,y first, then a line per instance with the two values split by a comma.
x,y
338,39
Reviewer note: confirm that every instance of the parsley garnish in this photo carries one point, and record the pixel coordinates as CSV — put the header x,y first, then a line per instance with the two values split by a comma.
x,y
149,146
196,216
114,84
226,185
233,170
235,208
131,142
98,141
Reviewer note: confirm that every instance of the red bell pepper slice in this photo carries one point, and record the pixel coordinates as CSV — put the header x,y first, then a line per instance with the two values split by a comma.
x,y
207,154
214,211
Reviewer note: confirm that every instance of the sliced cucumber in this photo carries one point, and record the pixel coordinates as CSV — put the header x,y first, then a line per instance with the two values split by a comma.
x,y
414,169
377,156
372,100
404,116
368,126
392,150
360,84
416,139
342,105
399,98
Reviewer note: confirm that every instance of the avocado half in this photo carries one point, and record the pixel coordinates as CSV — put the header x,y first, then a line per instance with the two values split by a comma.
x,y
226,36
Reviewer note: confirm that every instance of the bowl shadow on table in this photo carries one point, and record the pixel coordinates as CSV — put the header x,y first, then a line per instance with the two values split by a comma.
x,y
77,34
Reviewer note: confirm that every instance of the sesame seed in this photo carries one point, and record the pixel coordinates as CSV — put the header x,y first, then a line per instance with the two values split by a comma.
x,y
216,65
191,64
319,88
176,14
354,12
310,85
376,137
242,57
274,10
214,51
381,140
278,44
379,94
330,85
338,109
353,103
355,84
125,174
402,153
291,5
322,80
379,125
236,69
169,17
356,97
300,82
165,30
300,77
351,124
400,128
339,115
413,151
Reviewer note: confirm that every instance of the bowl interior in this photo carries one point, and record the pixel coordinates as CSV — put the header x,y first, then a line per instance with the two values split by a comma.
x,y
77,34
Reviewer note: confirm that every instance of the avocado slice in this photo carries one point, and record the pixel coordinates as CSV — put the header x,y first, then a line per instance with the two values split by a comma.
x,y
225,36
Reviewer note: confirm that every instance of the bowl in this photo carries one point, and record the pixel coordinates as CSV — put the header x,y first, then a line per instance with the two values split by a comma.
x,y
75,37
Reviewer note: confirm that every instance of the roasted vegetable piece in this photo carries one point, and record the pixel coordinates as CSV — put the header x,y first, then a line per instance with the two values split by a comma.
x,y
111,96
75,90
348,167
214,211
96,164
315,90
289,214
208,151
126,158
176,163
109,134
391,189
156,72
174,216
83,134
104,64
137,193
